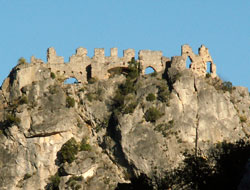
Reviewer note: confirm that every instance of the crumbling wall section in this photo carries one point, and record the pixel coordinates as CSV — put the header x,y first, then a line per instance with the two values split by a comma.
x,y
82,67
101,65
152,59
52,58
199,62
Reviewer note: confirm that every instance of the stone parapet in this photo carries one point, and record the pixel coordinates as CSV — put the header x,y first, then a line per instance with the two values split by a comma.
x,y
82,67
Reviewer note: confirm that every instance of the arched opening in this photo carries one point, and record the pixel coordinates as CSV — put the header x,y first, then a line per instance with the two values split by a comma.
x,y
117,71
71,80
88,70
188,62
209,65
149,70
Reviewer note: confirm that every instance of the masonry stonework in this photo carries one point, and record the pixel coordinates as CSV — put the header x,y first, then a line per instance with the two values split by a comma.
x,y
199,62
82,67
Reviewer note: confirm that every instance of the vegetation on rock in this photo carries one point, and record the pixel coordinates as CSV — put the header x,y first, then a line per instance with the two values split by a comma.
x,y
68,151
54,182
152,114
52,75
150,97
70,102
11,119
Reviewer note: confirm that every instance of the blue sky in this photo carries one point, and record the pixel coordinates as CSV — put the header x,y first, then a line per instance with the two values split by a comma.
x,y
29,27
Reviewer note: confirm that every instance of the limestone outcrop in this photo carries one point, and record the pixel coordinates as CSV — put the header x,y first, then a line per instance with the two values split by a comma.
x,y
106,133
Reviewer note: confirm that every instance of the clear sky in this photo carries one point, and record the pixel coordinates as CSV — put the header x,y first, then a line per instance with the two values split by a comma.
x,y
29,27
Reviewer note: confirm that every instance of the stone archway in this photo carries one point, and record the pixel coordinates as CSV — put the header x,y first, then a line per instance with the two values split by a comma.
x,y
209,67
149,70
71,80
117,70
188,62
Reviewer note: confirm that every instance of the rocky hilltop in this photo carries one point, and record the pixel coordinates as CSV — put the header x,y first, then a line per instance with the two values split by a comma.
x,y
118,133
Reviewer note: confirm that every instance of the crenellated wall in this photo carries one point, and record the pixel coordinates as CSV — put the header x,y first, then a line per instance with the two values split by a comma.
x,y
82,67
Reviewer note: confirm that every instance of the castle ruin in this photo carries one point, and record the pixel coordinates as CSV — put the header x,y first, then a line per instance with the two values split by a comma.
x,y
82,67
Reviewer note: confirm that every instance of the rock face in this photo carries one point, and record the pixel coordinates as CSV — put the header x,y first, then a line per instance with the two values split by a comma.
x,y
101,134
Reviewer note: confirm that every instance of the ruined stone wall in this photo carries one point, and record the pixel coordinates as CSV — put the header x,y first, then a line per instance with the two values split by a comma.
x,y
82,67
199,62
152,59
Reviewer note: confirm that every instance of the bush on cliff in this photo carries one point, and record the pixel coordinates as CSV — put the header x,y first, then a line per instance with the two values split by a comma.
x,y
152,114
68,151
70,102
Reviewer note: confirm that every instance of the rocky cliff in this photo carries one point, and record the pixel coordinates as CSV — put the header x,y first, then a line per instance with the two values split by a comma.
x,y
104,134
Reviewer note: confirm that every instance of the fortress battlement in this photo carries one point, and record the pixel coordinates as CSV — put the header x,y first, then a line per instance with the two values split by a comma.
x,y
82,67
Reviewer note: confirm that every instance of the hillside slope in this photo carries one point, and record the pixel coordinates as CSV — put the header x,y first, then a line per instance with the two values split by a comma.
x,y
98,135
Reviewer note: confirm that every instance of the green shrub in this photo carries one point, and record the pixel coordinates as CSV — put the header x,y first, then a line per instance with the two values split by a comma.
x,y
85,146
54,182
81,90
130,108
52,75
72,182
127,87
68,151
23,100
70,102
133,69
208,75
53,89
243,118
27,176
104,124
150,97
152,114
164,127
21,61
227,86
11,119
163,93
118,100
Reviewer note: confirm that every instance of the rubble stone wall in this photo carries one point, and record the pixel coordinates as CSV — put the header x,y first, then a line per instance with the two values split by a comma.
x,y
81,67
